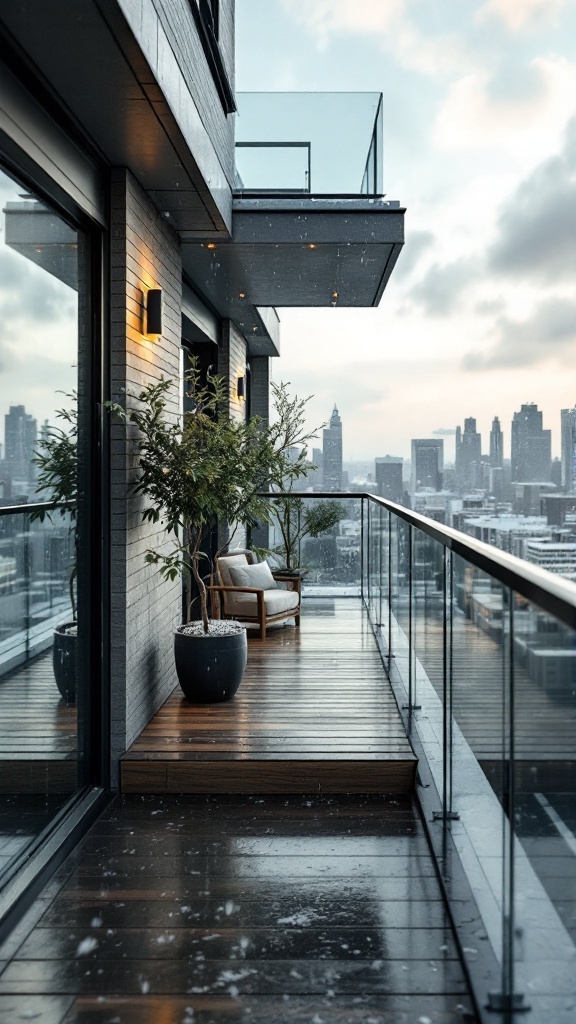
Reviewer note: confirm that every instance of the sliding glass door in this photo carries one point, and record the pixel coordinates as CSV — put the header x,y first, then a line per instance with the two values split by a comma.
x,y
46,468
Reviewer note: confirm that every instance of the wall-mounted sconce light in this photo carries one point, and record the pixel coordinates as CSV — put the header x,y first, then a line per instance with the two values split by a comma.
x,y
241,387
154,313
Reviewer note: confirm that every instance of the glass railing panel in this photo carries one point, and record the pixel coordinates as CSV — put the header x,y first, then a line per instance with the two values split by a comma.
x,y
329,559
544,788
265,164
375,558
400,595
321,143
477,737
428,610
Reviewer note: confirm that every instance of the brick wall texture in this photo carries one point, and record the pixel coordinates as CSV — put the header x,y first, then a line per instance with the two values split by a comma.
x,y
145,253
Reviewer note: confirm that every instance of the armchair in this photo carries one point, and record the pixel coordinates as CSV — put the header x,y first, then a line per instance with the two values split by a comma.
x,y
262,604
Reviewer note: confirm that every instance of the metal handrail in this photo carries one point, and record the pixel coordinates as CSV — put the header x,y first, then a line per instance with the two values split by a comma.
x,y
552,593
37,506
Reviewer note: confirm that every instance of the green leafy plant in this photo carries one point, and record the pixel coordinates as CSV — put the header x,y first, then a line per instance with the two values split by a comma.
x,y
57,459
206,468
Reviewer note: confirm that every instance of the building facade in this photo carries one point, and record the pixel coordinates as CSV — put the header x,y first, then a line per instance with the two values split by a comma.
x,y
531,446
332,453
389,478
427,464
122,198
568,448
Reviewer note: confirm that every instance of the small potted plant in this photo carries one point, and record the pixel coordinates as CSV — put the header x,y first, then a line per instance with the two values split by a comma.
x,y
57,460
195,472
297,519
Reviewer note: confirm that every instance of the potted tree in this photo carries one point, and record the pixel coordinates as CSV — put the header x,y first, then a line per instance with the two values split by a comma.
x,y
204,469
57,460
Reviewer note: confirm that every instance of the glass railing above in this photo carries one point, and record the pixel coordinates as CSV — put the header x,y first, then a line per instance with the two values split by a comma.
x,y
299,143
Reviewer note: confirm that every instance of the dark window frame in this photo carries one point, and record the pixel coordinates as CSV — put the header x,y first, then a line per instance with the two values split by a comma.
x,y
206,14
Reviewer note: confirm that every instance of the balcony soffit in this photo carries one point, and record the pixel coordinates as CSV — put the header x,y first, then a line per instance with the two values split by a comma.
x,y
96,65
304,252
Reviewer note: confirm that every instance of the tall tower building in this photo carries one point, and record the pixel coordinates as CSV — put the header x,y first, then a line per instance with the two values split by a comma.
x,y
531,446
332,453
389,478
427,464
496,445
468,456
20,434
568,453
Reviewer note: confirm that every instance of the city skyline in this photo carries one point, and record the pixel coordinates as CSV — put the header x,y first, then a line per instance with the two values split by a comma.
x,y
479,111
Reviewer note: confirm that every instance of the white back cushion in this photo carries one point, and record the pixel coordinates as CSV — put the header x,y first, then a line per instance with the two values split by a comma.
x,y
224,567
258,576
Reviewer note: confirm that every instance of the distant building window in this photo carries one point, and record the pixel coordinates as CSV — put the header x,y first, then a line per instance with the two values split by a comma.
x,y
207,17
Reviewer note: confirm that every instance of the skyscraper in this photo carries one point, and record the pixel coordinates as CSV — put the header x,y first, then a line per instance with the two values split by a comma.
x,y
568,453
496,445
389,478
332,453
531,446
20,433
468,456
427,464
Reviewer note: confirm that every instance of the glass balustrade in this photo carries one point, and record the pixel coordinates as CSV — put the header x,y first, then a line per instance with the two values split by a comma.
x,y
309,143
481,651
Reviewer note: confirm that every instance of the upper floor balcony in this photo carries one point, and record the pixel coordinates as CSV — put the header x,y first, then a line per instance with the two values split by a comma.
x,y
317,144
310,225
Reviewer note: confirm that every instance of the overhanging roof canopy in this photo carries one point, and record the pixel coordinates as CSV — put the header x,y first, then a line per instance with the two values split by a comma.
x,y
299,252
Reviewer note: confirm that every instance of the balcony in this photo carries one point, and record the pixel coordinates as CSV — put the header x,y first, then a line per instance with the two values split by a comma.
x,y
311,226
419,648
298,143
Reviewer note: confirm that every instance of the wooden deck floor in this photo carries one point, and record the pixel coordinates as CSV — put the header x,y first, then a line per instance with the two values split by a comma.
x,y
314,714
236,909
38,732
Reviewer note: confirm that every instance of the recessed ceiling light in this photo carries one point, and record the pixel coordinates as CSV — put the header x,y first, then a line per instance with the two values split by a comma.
x,y
210,245
241,295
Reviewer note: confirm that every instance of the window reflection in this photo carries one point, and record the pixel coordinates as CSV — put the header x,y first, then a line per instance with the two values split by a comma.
x,y
39,357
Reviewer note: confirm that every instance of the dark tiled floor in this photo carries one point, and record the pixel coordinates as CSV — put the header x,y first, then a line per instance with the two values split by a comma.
x,y
190,909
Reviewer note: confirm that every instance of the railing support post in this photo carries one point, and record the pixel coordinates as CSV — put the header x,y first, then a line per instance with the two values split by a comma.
x,y
447,813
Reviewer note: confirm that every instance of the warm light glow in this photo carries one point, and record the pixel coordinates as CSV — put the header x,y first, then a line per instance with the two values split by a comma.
x,y
334,295
241,295
210,245
311,246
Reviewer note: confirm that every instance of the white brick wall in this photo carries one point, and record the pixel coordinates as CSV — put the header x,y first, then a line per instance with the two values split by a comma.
x,y
145,253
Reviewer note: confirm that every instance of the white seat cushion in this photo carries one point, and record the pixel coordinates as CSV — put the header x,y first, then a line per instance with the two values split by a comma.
x,y
247,604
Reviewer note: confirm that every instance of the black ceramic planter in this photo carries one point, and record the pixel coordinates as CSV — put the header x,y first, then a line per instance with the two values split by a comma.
x,y
64,662
210,668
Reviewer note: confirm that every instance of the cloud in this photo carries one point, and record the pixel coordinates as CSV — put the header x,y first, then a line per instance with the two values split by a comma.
x,y
444,432
549,334
417,243
517,14
388,21
519,106
490,307
536,232
441,288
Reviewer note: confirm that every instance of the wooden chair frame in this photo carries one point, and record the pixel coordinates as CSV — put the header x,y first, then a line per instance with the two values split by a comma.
x,y
261,617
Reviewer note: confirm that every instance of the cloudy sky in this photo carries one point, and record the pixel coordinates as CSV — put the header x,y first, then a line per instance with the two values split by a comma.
x,y
38,341
480,146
